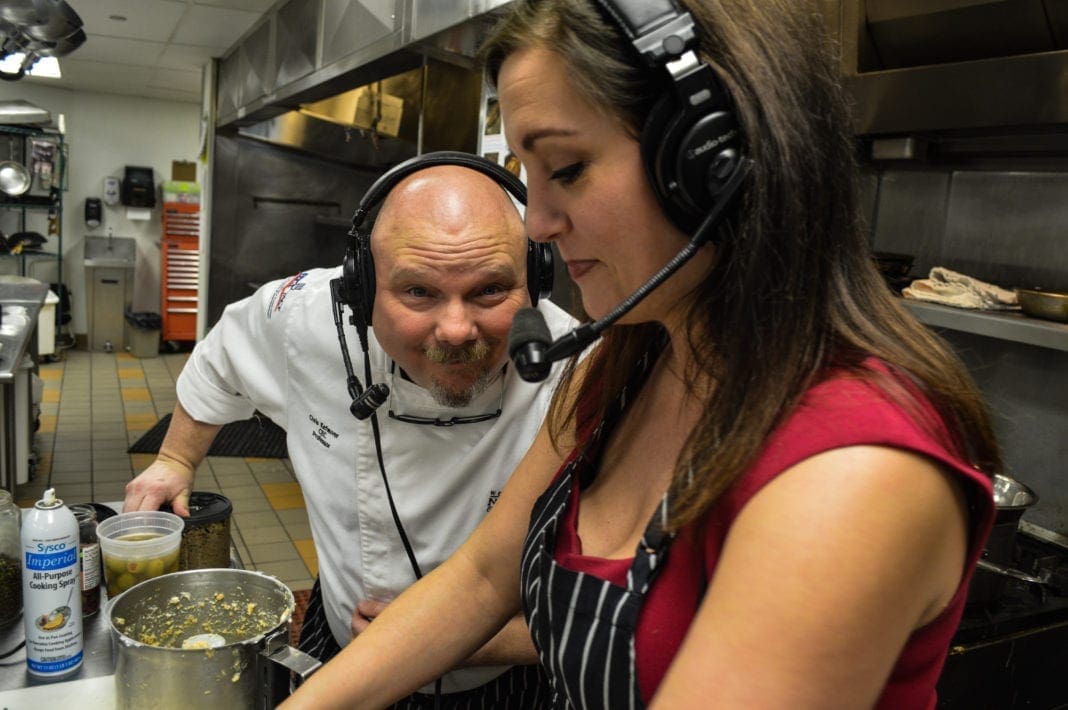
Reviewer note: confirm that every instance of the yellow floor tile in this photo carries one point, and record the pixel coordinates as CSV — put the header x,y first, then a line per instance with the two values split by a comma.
x,y
286,502
136,394
51,375
143,420
131,373
48,423
306,548
280,489
124,356
50,395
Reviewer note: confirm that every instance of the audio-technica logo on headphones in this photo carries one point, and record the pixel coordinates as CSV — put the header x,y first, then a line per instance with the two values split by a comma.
x,y
711,144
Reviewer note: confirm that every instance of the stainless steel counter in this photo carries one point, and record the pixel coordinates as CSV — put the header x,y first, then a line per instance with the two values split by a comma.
x,y
20,304
16,324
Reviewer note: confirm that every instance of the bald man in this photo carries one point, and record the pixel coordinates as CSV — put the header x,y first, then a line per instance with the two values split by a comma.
x,y
449,254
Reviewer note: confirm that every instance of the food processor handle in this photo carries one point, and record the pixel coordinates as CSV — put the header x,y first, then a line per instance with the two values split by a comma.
x,y
284,659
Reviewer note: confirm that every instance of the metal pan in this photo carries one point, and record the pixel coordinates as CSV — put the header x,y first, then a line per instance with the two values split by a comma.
x,y
15,179
1039,303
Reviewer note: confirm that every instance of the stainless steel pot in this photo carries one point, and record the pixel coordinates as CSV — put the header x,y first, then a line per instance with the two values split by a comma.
x,y
995,568
208,638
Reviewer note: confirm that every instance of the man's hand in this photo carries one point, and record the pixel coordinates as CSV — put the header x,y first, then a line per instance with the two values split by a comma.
x,y
365,613
165,481
170,477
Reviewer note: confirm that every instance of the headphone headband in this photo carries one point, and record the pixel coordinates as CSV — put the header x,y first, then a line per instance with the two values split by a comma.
x,y
659,29
384,184
691,143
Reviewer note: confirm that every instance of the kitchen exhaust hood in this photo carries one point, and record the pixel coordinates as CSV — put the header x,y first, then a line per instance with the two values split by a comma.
x,y
917,66
306,51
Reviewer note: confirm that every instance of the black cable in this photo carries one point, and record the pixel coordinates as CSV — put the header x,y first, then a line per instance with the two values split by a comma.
x,y
355,389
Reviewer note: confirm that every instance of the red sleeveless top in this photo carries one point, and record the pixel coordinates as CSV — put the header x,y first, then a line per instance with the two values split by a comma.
x,y
838,412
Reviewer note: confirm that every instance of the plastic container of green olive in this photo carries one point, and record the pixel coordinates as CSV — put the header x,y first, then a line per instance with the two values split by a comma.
x,y
206,538
138,546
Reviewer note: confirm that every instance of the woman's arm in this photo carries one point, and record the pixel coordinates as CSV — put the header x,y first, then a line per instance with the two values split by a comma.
x,y
512,646
822,578
441,620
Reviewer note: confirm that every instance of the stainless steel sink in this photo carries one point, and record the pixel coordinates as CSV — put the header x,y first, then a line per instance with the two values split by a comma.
x,y
118,252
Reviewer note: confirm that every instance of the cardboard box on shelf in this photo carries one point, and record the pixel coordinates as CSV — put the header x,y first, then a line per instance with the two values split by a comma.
x,y
183,171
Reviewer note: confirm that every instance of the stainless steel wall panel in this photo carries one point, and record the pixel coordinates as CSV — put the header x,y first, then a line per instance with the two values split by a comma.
x,y
258,63
1027,388
911,215
909,34
230,83
432,16
993,93
1009,227
295,40
265,204
350,25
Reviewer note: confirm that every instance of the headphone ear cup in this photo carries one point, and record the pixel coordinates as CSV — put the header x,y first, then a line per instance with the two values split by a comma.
x,y
688,157
539,271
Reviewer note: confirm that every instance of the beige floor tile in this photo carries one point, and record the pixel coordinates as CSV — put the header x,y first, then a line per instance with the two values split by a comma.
x,y
288,571
256,520
273,552
298,531
260,535
296,515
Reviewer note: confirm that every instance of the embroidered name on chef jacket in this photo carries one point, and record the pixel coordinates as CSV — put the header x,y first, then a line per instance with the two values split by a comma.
x,y
321,431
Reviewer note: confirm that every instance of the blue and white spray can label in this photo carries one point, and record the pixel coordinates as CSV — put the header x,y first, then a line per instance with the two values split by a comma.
x,y
51,589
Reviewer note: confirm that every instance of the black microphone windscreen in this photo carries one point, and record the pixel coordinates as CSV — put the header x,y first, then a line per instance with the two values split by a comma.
x,y
528,327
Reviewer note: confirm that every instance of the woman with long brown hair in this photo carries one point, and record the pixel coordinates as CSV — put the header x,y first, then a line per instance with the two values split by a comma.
x,y
767,485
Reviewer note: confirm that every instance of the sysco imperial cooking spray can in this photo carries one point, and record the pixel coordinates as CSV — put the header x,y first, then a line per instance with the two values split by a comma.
x,y
51,588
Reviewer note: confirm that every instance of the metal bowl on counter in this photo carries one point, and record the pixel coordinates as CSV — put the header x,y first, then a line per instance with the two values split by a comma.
x,y
1040,303
997,565
208,638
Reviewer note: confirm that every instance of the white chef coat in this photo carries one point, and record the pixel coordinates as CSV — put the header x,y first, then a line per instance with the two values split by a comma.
x,y
277,351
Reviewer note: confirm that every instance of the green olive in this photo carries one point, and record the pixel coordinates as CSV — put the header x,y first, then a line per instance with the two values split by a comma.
x,y
124,582
154,568
115,564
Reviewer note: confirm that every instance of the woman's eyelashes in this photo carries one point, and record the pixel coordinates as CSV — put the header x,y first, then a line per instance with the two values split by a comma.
x,y
569,174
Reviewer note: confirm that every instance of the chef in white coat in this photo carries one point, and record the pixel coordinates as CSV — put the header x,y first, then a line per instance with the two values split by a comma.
x,y
447,261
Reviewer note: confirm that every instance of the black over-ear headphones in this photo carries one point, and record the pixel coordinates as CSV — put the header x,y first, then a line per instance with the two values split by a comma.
x,y
358,270
691,143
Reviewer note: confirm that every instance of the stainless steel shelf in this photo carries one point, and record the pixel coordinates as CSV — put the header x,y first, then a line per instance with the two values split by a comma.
x,y
1003,325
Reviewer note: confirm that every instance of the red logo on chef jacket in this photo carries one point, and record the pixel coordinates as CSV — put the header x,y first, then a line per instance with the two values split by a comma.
x,y
279,296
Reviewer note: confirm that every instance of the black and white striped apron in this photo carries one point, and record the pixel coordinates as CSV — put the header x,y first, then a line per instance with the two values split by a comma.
x,y
584,627
518,688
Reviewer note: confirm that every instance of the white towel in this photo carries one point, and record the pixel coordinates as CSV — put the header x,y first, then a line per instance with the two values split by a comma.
x,y
955,289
